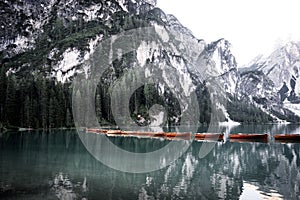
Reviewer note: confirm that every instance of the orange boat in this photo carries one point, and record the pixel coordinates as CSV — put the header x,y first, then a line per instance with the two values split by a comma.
x,y
159,134
249,140
249,136
295,137
137,133
178,135
209,136
102,131
115,132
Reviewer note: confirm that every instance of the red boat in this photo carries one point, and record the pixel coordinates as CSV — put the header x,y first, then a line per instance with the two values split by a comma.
x,y
178,135
136,133
295,137
249,136
159,134
209,136
250,140
115,132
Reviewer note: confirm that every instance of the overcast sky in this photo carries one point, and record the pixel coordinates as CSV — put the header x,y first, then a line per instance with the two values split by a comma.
x,y
252,26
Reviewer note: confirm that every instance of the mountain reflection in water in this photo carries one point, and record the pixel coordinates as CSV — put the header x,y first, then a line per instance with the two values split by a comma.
x,y
31,162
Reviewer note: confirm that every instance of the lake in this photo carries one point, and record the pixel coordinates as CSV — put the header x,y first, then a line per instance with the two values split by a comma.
x,y
56,165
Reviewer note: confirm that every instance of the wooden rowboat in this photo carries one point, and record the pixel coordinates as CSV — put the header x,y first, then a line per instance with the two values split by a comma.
x,y
295,137
178,135
159,134
249,140
136,133
115,132
249,136
209,136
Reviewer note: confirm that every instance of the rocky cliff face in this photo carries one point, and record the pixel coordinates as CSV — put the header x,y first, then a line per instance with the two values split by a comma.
x,y
281,66
23,21
54,39
273,81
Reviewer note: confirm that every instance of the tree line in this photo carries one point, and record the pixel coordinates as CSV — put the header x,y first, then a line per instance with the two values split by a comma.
x,y
34,101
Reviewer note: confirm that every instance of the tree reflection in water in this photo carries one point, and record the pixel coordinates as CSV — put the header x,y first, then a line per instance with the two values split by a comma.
x,y
30,160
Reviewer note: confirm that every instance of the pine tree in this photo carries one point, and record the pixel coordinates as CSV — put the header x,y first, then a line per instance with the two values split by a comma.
x,y
3,85
53,110
11,110
27,113
60,107
44,104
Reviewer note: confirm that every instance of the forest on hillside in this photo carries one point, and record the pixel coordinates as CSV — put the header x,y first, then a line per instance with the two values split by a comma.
x,y
34,101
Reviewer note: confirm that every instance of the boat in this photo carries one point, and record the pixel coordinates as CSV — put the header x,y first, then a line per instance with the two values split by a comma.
x,y
295,137
249,140
138,133
209,136
239,137
115,132
159,134
246,136
178,135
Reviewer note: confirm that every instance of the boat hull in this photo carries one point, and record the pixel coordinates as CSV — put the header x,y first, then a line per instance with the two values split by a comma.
x,y
287,137
249,136
209,136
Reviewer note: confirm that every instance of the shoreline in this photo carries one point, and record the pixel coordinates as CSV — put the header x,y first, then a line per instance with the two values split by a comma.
x,y
20,129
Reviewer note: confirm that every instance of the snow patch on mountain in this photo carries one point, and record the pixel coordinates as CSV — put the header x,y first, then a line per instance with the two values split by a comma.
x,y
141,57
230,123
22,43
184,77
270,114
92,46
91,12
65,67
122,4
231,87
162,33
295,108
145,51
70,59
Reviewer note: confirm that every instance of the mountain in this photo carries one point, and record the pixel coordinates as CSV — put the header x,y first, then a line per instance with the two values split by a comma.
x,y
272,82
45,45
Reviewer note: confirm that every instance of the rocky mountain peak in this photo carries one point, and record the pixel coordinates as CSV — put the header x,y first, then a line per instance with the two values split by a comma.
x,y
292,49
220,50
273,81
282,66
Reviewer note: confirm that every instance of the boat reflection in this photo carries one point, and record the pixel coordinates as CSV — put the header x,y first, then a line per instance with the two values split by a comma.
x,y
30,161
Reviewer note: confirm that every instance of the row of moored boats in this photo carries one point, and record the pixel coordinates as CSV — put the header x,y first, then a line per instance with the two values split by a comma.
x,y
198,136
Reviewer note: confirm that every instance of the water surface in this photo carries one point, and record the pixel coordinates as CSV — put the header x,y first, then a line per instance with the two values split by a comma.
x,y
55,165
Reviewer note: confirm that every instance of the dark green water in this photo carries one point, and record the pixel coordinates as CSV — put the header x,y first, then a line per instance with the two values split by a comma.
x,y
55,165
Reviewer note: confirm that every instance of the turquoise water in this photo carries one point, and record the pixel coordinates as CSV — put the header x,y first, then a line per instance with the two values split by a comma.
x,y
55,165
